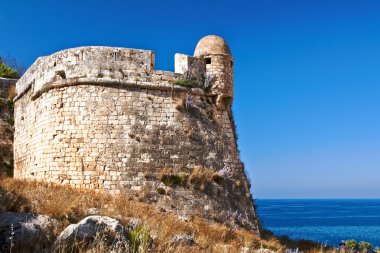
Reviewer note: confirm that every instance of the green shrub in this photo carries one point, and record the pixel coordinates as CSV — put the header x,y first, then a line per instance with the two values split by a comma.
x,y
139,240
7,72
351,244
365,246
171,180
185,83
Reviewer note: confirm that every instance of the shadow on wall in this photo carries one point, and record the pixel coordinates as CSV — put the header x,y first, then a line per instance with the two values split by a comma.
x,y
7,93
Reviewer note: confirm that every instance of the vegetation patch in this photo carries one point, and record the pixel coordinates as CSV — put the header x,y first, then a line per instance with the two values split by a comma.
x,y
139,240
171,178
185,83
199,178
202,177
6,71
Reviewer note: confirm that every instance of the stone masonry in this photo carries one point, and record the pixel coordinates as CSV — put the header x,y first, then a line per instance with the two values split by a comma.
x,y
104,118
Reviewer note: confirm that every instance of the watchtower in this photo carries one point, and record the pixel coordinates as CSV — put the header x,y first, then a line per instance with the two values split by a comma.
x,y
219,66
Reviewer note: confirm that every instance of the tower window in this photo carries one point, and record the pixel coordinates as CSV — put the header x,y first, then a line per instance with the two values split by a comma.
x,y
231,63
208,60
115,56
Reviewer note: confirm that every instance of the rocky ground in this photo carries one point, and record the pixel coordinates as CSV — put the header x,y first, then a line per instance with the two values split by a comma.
x,y
38,217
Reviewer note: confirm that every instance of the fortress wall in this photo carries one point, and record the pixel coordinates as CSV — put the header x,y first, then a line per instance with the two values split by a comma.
x,y
120,138
86,131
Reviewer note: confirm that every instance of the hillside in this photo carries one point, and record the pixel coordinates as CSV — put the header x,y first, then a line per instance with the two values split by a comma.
x,y
67,205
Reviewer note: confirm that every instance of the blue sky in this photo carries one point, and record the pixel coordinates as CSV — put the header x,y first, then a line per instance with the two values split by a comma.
x,y
307,76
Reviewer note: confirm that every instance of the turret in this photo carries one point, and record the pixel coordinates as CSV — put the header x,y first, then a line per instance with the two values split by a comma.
x,y
219,66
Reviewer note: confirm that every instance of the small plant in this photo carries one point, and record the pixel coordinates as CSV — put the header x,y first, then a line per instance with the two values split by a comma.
x,y
161,191
351,244
171,178
139,240
185,83
365,246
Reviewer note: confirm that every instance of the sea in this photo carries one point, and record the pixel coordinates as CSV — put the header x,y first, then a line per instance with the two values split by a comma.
x,y
322,220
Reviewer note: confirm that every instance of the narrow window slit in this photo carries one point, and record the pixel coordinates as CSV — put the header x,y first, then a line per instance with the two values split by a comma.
x,y
115,56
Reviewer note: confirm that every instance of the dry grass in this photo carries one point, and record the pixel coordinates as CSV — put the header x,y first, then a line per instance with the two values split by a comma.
x,y
199,178
180,103
69,205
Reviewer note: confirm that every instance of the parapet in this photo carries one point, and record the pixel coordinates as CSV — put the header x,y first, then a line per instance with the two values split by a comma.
x,y
106,66
87,64
132,67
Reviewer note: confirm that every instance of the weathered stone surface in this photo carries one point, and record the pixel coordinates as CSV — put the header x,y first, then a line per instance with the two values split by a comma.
x,y
91,228
25,232
104,118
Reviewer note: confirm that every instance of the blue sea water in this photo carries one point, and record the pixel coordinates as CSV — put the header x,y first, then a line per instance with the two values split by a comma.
x,y
322,220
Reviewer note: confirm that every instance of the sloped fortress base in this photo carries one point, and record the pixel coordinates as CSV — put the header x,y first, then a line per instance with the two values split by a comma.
x,y
103,118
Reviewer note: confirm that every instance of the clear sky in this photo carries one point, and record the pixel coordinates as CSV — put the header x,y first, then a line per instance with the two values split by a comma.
x,y
307,76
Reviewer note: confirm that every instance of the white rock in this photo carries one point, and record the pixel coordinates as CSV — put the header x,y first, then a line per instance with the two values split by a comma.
x,y
87,230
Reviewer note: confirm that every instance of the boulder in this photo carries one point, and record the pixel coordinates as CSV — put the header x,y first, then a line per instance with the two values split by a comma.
x,y
93,231
25,232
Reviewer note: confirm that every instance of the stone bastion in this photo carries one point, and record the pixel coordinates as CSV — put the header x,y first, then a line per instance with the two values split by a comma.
x,y
104,118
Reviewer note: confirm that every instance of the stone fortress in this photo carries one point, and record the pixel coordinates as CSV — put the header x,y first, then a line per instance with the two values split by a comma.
x,y
104,118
